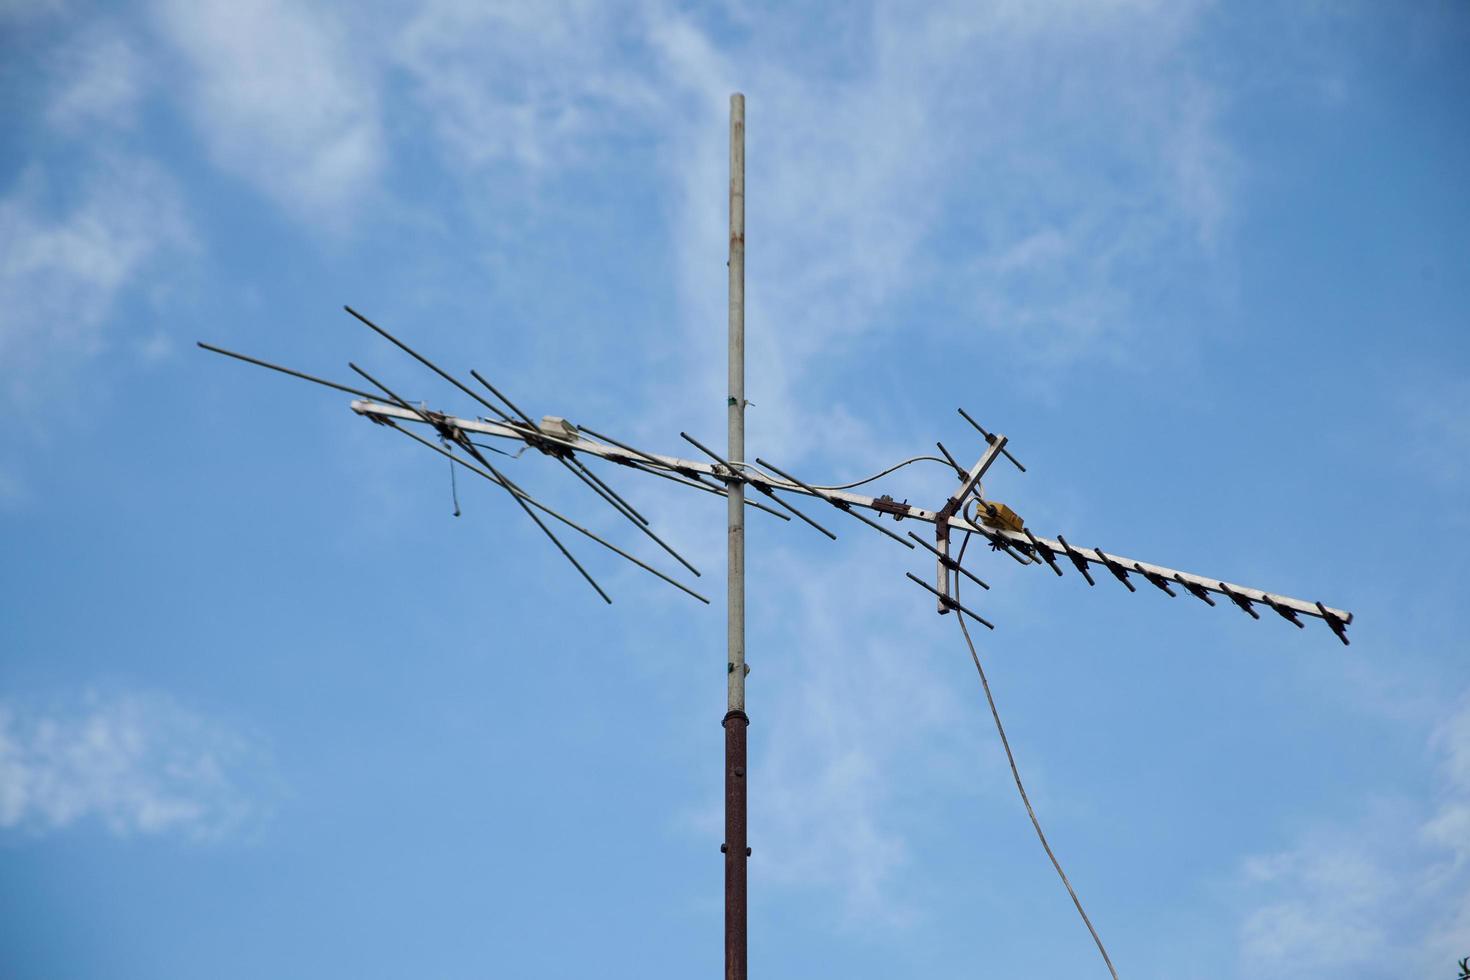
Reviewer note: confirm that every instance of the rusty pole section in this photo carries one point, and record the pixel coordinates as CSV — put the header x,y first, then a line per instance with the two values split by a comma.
x,y
736,720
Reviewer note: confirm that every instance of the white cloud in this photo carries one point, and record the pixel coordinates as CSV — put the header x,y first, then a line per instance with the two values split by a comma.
x,y
1434,426
281,100
20,11
69,255
526,84
1387,896
1016,161
98,81
135,764
1009,164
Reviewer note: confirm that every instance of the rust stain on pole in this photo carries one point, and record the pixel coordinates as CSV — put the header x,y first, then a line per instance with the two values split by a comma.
x,y
735,847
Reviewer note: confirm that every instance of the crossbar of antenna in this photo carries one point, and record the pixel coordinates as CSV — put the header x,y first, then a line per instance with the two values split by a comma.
x,y
763,486
972,478
586,475
661,467
694,484
1018,540
841,505
506,483
547,510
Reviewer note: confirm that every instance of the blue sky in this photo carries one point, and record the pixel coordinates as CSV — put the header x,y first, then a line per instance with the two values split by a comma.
x,y
268,708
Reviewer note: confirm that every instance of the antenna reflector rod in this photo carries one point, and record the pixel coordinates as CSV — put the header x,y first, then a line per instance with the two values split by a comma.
x,y
990,437
949,603
1338,626
959,470
1077,559
1155,579
1118,571
1282,611
1239,600
285,370
1046,553
949,562
425,361
1197,591
543,508
507,485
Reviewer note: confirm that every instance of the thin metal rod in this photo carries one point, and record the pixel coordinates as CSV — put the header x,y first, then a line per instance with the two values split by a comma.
x,y
841,505
949,562
959,470
1077,560
609,490
737,478
1239,600
1119,572
426,362
1043,551
507,485
1336,625
285,370
989,437
632,449
581,472
496,392
576,466
1157,581
951,603
661,543
1194,590
547,510
659,467
717,491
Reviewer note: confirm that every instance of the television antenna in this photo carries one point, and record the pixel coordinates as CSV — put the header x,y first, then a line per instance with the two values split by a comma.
x,y
967,511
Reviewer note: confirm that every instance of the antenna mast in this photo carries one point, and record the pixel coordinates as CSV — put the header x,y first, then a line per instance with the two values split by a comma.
x,y
736,721
967,510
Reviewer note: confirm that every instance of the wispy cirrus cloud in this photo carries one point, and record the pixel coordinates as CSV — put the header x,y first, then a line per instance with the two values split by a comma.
x,y
131,763
525,85
69,254
1434,414
1386,895
99,80
1005,167
281,100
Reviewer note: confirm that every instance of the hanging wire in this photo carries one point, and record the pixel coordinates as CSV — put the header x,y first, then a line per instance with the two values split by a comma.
x,y
846,486
514,455
453,482
1005,743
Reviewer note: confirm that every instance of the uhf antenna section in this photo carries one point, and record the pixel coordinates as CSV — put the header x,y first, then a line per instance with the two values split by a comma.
x,y
967,510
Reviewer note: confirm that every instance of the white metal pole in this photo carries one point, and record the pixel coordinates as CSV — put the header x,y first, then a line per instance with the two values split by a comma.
x,y
736,405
